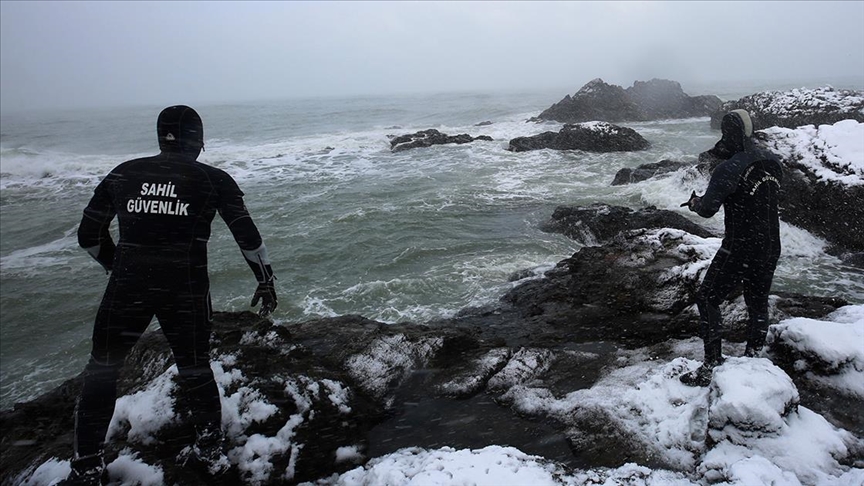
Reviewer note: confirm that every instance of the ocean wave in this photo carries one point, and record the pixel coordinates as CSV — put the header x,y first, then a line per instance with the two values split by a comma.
x,y
44,258
26,167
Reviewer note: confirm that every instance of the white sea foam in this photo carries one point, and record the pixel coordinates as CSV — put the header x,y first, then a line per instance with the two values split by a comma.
x,y
51,256
29,168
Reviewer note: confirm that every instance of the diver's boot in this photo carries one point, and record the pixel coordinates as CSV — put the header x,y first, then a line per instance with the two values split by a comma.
x,y
209,448
207,454
755,343
701,376
752,352
86,471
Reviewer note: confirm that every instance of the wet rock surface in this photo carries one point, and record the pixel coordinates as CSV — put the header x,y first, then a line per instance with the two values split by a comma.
x,y
600,222
591,137
646,171
428,138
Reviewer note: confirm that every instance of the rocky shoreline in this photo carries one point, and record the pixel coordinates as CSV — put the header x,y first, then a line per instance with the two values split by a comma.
x,y
313,389
578,366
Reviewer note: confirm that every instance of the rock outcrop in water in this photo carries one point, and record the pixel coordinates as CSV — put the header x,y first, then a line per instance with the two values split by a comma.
x,y
428,138
559,354
646,171
656,99
601,222
797,107
590,137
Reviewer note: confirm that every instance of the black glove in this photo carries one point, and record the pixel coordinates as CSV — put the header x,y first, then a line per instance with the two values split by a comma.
x,y
266,293
693,199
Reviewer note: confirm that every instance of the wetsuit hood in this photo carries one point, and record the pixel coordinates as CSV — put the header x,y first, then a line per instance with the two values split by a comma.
x,y
737,128
180,131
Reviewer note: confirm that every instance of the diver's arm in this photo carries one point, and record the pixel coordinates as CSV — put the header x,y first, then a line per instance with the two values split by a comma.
x,y
246,234
723,183
233,211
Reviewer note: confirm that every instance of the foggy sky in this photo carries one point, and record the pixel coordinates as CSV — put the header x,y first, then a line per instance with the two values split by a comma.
x,y
76,54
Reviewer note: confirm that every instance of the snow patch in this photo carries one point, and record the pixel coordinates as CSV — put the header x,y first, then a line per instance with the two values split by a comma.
x,y
833,153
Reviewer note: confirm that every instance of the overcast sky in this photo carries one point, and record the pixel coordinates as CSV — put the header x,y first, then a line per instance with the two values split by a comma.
x,y
71,54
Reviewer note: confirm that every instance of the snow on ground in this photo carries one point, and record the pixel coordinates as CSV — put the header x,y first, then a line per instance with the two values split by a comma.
x,y
643,401
523,366
831,351
759,434
492,465
142,414
751,410
473,379
832,152
390,359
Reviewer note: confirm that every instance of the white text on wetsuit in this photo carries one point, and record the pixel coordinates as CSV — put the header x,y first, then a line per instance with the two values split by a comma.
x,y
157,206
767,178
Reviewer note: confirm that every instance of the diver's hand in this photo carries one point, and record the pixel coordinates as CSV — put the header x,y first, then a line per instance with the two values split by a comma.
x,y
691,203
266,293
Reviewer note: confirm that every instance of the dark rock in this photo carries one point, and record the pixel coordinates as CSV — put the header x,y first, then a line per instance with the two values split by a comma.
x,y
795,108
427,138
594,101
536,142
599,293
652,100
590,137
646,171
829,210
599,223
791,304
663,99
483,124
35,431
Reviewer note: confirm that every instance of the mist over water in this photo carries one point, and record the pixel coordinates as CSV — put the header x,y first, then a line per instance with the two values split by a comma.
x,y
351,227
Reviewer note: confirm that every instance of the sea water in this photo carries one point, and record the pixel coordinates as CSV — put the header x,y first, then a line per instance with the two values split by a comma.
x,y
351,227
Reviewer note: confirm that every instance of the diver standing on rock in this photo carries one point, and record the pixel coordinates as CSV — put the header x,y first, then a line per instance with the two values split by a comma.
x,y
164,205
746,184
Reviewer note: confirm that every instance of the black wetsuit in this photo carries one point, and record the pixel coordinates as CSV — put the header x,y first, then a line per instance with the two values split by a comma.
x,y
747,186
165,205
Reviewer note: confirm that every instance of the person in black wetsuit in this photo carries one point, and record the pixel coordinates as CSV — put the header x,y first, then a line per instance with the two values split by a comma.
x,y
164,205
746,184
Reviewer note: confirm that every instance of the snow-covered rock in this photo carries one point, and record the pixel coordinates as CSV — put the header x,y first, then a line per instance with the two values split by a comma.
x,y
830,352
831,153
797,107
749,398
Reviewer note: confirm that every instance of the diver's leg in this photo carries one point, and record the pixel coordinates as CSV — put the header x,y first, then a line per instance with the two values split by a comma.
x,y
720,279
